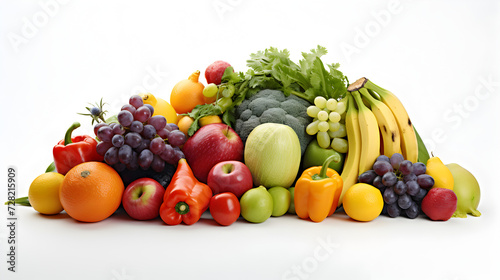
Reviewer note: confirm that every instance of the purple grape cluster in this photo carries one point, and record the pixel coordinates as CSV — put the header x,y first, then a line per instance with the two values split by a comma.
x,y
139,139
403,184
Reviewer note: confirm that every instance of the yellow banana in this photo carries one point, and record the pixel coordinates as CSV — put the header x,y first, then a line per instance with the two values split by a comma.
x,y
387,124
409,144
351,165
370,135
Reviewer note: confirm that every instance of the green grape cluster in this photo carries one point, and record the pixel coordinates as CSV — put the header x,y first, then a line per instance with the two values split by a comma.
x,y
328,123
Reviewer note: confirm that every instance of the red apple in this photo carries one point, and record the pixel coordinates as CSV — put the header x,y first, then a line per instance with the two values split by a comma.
x,y
439,204
210,145
214,71
230,176
142,199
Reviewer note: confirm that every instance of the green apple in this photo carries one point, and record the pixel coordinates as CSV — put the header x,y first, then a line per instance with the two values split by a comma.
x,y
281,200
291,209
256,205
467,190
315,156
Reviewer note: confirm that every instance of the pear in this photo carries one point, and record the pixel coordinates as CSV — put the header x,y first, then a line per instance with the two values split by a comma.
x,y
467,190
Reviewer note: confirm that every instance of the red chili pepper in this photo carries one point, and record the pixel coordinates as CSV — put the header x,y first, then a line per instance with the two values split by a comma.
x,y
185,198
72,151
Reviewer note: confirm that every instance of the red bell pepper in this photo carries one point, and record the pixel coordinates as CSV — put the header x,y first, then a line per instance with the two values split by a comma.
x,y
185,198
72,151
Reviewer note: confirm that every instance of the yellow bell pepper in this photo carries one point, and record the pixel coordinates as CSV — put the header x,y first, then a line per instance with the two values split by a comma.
x,y
317,191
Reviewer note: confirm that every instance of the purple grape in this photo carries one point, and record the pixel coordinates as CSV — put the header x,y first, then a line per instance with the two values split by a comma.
x,y
425,181
419,168
142,114
133,139
177,138
406,167
97,126
381,167
125,154
393,210
389,196
412,188
367,177
118,129
389,179
158,164
148,132
129,108
409,177
412,211
400,188
178,155
157,146
144,145
133,165
164,133
151,108
125,118
158,122
421,194
383,158
377,182
168,154
118,140
105,133
145,159
111,156
173,126
136,126
396,159
404,201
136,101
102,147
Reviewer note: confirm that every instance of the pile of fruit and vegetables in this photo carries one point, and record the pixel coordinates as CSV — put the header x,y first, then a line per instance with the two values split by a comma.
x,y
281,138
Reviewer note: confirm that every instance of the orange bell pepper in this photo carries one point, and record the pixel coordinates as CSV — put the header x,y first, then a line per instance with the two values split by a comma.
x,y
185,198
317,191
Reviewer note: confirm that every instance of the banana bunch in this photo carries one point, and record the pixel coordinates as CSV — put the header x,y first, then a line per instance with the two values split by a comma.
x,y
377,124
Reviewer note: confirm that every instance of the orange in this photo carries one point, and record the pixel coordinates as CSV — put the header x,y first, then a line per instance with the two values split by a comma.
x,y
91,191
184,124
188,93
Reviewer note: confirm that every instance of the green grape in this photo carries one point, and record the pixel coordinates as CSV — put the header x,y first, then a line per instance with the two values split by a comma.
x,y
323,115
312,128
333,126
334,117
320,102
228,90
224,103
331,104
312,111
323,126
340,145
210,90
323,139
341,132
341,106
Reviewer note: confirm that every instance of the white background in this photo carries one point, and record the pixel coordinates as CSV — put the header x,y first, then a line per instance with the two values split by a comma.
x,y
439,57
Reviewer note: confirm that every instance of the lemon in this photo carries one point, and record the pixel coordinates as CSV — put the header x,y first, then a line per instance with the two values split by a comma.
x,y
43,194
363,202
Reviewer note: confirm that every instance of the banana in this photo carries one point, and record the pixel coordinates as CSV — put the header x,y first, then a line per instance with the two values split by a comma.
x,y
370,135
351,165
389,130
409,144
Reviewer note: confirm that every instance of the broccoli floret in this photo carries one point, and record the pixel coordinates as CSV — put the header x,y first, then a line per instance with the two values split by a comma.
x,y
272,106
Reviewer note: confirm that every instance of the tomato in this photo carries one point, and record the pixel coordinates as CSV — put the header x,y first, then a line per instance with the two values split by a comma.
x,y
225,208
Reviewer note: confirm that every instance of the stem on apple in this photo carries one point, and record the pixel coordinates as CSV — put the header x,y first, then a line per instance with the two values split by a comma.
x,y
182,207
